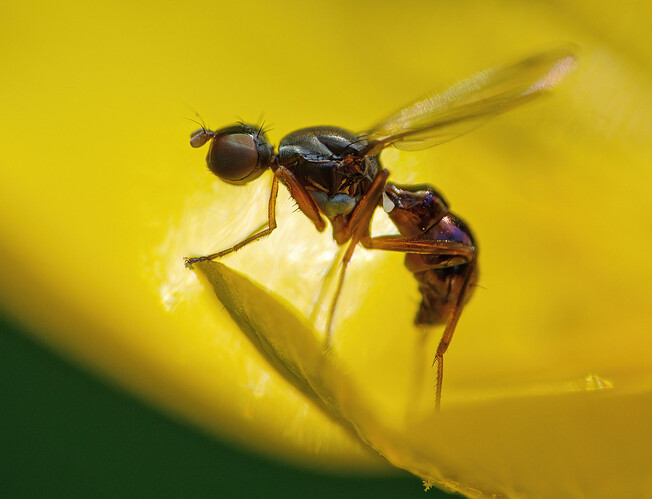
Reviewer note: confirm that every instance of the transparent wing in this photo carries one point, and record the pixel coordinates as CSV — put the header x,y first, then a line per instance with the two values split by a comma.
x,y
440,117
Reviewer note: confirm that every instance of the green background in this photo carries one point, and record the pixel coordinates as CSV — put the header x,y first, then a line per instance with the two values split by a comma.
x,y
66,433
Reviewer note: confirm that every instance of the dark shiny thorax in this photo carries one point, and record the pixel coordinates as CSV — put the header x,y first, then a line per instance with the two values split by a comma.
x,y
330,163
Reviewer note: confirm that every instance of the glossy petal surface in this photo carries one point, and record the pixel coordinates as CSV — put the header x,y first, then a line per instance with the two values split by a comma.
x,y
102,196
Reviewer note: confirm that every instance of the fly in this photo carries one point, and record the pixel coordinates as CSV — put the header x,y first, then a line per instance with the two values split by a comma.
x,y
336,174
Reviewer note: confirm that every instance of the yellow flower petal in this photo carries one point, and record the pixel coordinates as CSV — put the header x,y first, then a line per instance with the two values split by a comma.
x,y
101,197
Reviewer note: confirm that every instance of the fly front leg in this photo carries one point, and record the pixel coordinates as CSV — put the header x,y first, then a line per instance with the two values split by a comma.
x,y
301,196
271,225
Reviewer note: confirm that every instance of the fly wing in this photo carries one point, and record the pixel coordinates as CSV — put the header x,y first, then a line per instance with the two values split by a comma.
x,y
440,117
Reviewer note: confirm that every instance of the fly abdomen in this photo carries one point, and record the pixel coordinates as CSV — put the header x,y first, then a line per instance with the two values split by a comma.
x,y
421,213
440,279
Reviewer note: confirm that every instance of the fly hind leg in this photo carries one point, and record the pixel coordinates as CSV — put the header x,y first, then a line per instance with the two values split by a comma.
x,y
451,324
452,254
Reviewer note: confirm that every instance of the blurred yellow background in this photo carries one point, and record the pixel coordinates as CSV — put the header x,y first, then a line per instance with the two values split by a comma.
x,y
101,197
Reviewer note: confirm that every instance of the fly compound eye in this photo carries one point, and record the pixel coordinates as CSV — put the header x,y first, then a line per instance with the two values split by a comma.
x,y
237,154
234,158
